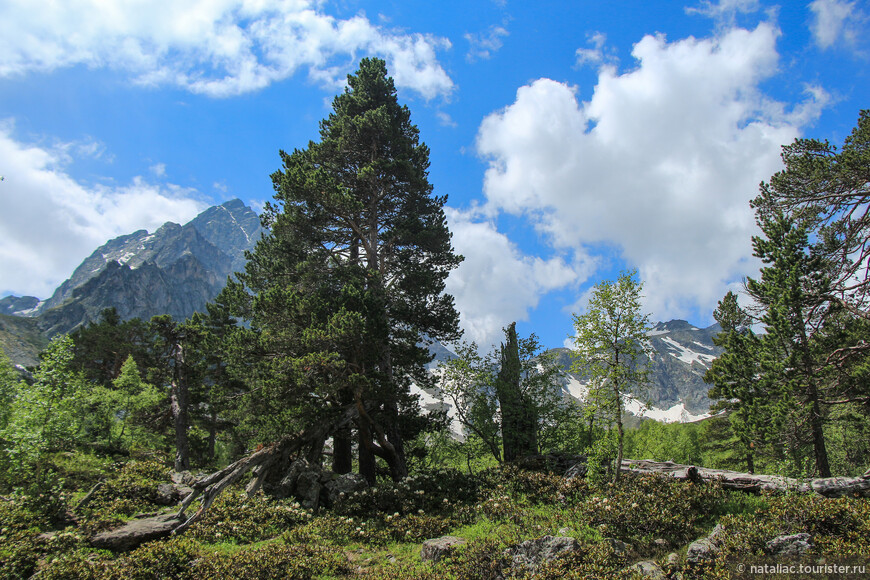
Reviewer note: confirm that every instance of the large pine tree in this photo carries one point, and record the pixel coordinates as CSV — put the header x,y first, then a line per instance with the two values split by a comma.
x,y
349,284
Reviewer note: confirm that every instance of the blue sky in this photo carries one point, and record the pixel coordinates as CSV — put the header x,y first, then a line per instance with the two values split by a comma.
x,y
574,139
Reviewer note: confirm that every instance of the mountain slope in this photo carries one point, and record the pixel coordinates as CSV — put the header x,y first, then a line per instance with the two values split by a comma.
x,y
681,354
21,339
175,270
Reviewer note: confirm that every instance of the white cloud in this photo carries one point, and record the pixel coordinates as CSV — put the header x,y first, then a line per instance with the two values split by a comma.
x,y
158,169
834,20
483,45
724,11
215,47
497,284
49,222
661,161
597,54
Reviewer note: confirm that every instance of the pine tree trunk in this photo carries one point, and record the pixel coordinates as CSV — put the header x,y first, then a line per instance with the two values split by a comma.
x,y
819,449
366,457
212,436
342,452
179,402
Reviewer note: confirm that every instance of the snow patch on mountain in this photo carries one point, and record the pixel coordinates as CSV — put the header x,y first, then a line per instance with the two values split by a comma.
x,y
687,355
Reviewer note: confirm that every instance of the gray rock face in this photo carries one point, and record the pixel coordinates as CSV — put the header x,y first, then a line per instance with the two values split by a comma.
x,y
437,548
18,305
175,270
136,532
532,553
314,486
706,549
682,354
167,494
793,545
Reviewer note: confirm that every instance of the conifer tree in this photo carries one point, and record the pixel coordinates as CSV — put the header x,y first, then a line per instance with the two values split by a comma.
x,y
350,280
736,380
789,289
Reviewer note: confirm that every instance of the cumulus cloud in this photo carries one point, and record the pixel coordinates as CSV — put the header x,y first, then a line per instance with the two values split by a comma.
x,y
497,283
49,222
218,48
484,44
661,161
834,20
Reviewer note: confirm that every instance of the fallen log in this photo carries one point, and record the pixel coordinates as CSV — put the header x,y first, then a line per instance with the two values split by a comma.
x,y
754,483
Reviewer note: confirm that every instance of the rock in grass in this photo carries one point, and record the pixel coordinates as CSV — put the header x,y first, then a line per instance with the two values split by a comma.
x,y
648,569
794,545
706,549
136,532
531,554
435,549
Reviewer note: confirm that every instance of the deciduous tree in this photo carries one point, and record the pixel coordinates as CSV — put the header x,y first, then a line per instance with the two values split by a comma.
x,y
610,346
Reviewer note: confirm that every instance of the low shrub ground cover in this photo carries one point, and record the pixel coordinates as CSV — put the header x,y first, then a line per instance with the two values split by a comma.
x,y
377,533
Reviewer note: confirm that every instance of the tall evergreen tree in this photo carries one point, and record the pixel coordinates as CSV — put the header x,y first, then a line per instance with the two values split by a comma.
x,y
611,341
518,417
350,281
736,378
827,192
789,290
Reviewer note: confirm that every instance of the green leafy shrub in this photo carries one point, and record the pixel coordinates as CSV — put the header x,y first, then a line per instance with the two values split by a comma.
x,y
591,560
645,507
22,550
235,517
275,561
425,491
132,490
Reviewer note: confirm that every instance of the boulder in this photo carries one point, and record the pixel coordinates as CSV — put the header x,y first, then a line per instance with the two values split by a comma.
x,y
308,489
648,569
346,484
136,532
793,545
707,548
167,494
619,547
435,549
532,553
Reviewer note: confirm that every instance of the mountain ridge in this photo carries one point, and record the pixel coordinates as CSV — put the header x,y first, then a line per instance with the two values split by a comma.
x,y
175,270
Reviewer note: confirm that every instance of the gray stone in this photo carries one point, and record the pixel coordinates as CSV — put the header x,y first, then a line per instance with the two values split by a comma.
x,y
619,547
794,545
167,494
136,532
346,483
287,486
532,553
648,569
437,548
308,489
707,548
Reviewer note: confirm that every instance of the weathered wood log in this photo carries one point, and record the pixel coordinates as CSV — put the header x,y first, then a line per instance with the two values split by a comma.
x,y
735,480
260,462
